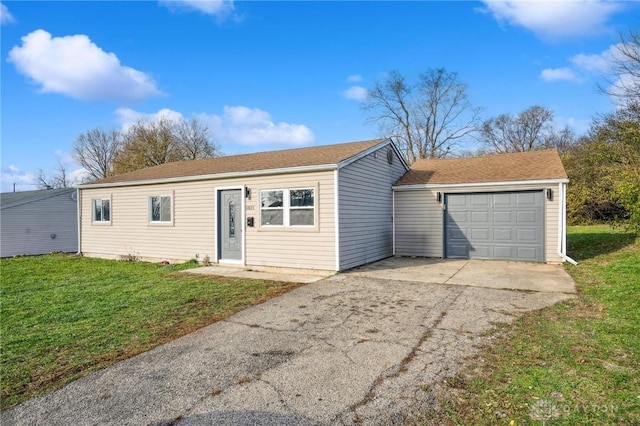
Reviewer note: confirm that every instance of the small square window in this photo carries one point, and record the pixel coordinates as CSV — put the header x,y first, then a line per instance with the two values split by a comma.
x,y
160,208
101,210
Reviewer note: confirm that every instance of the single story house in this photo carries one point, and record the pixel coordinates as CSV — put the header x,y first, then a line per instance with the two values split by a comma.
x,y
325,208
329,208
504,206
38,222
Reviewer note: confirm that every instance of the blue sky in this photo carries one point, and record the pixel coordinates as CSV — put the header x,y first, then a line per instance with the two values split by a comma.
x,y
268,75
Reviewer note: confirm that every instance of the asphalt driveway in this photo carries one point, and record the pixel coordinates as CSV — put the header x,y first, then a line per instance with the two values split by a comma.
x,y
362,347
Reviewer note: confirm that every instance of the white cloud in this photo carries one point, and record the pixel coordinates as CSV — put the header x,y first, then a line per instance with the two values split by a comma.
x,y
218,8
595,66
77,67
554,19
354,78
127,116
24,181
5,16
355,93
236,125
600,62
555,74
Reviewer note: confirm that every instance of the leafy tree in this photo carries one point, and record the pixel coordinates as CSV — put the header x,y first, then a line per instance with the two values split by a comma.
x,y
428,118
529,130
604,169
148,144
96,151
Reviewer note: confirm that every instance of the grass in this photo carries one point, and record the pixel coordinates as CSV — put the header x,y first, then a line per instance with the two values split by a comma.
x,y
574,363
65,316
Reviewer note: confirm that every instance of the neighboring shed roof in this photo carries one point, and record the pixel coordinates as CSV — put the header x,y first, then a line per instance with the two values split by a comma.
x,y
12,199
520,166
283,159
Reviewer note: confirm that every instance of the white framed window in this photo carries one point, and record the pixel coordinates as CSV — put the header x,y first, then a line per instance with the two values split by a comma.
x,y
101,210
160,210
288,207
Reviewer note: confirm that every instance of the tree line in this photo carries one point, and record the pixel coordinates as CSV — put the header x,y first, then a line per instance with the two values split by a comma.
x,y
104,153
430,119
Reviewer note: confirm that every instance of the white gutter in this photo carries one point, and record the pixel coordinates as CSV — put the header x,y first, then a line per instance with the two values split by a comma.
x,y
286,170
476,184
562,224
336,209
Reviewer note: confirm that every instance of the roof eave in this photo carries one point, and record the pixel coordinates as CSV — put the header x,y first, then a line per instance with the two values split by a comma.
x,y
418,186
214,176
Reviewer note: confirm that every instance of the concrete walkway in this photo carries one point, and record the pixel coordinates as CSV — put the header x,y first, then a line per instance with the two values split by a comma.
x,y
350,349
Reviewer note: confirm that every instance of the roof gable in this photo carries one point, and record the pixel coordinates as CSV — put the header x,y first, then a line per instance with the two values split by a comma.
x,y
255,162
521,166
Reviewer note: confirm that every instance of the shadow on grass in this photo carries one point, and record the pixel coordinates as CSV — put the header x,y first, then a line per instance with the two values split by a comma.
x,y
586,245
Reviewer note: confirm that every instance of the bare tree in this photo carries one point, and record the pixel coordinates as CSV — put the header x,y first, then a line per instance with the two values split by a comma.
x,y
625,69
195,140
527,131
428,118
97,150
58,180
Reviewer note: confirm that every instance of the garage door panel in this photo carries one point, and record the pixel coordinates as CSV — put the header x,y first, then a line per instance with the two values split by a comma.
x,y
479,200
502,217
526,198
456,234
503,234
527,216
528,253
501,225
480,251
480,234
459,216
459,251
503,252
502,200
527,235
479,217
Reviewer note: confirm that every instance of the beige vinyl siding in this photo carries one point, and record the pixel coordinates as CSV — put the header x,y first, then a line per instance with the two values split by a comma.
x,y
421,234
294,247
194,228
366,208
26,229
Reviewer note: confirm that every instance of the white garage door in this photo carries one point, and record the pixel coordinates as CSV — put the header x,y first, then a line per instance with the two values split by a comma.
x,y
495,225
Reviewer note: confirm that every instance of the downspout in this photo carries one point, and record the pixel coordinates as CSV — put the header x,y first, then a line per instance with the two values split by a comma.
x,y
393,219
562,224
79,217
336,212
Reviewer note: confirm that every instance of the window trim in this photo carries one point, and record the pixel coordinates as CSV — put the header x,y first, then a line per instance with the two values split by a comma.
x,y
93,210
171,210
286,208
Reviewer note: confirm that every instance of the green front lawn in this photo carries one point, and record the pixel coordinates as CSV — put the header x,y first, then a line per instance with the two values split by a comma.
x,y
65,316
576,363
